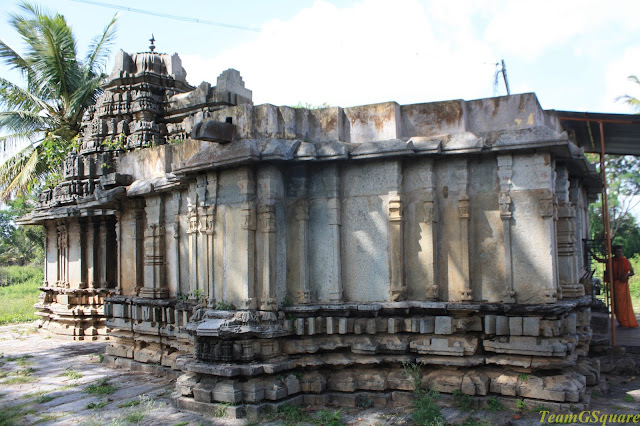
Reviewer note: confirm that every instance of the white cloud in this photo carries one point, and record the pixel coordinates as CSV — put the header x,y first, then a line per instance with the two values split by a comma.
x,y
372,52
618,84
526,29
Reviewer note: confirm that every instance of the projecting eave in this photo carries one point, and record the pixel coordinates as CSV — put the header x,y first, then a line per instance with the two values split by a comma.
x,y
621,131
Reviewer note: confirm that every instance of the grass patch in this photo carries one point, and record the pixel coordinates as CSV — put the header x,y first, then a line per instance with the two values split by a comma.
x,y
96,405
494,405
102,387
71,374
181,424
462,401
19,290
96,358
129,404
45,398
628,398
12,415
19,380
135,417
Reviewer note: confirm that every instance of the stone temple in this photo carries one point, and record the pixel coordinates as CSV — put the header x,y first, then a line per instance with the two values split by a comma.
x,y
272,255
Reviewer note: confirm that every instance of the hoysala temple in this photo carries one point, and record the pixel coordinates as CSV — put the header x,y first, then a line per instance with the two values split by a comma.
x,y
270,255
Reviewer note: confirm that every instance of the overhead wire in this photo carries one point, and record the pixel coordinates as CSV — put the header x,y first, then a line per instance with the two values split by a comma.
x,y
168,16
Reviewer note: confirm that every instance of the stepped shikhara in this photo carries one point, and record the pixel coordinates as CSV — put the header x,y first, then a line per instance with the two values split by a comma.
x,y
276,254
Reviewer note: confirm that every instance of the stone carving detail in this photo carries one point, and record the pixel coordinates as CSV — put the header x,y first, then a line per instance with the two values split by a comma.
x,y
464,215
62,243
505,170
398,287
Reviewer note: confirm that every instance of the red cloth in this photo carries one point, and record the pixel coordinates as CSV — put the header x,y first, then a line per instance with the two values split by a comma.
x,y
622,298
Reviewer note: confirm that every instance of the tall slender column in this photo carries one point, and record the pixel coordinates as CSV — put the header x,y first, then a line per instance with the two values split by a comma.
x,y
102,253
464,215
63,245
138,241
505,170
267,219
302,217
331,181
429,230
154,256
547,207
209,233
398,287
118,215
246,263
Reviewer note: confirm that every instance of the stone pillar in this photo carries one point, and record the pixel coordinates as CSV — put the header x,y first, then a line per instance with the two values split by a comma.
x,y
175,242
101,264
74,255
245,263
138,240
397,287
464,215
90,252
331,181
505,170
45,282
547,207
429,236
302,218
209,234
566,238
267,220
63,246
154,255
192,232
118,215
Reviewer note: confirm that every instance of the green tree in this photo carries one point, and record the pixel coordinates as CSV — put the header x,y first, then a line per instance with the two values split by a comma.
x,y
47,111
19,245
623,190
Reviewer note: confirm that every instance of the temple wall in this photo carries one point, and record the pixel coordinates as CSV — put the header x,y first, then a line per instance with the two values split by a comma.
x,y
284,255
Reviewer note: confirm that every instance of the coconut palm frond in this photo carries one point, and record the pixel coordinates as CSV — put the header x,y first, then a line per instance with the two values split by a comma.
x,y
100,47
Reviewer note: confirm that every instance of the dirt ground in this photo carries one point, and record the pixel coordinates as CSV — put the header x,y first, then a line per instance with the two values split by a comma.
x,y
48,381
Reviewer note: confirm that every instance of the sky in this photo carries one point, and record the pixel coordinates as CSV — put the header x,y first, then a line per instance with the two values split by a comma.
x,y
575,55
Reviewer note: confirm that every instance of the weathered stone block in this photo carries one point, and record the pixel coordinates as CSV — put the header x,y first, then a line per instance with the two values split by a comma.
x,y
342,382
372,380
292,383
227,391
253,391
427,325
502,326
468,324
505,384
515,326
313,383
443,325
531,326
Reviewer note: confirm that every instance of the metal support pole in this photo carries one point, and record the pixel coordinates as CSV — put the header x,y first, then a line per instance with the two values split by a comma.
x,y
607,235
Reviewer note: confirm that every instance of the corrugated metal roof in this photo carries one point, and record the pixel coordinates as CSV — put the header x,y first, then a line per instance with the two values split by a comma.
x,y
621,131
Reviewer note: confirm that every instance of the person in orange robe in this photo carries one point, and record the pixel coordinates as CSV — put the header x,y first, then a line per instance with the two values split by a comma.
x,y
622,270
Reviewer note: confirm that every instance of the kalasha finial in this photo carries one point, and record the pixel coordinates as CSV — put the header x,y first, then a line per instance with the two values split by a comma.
x,y
152,40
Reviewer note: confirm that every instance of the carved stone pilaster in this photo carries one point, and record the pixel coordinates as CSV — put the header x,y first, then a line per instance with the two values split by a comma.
x,y
118,215
62,243
335,222
398,287
429,238
505,171
209,235
246,265
302,217
547,208
175,243
267,216
154,250
464,216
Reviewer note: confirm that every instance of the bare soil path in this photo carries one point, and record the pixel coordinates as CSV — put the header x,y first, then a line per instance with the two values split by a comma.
x,y
49,381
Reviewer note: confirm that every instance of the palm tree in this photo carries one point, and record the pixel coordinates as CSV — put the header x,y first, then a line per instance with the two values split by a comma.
x,y
630,100
46,114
